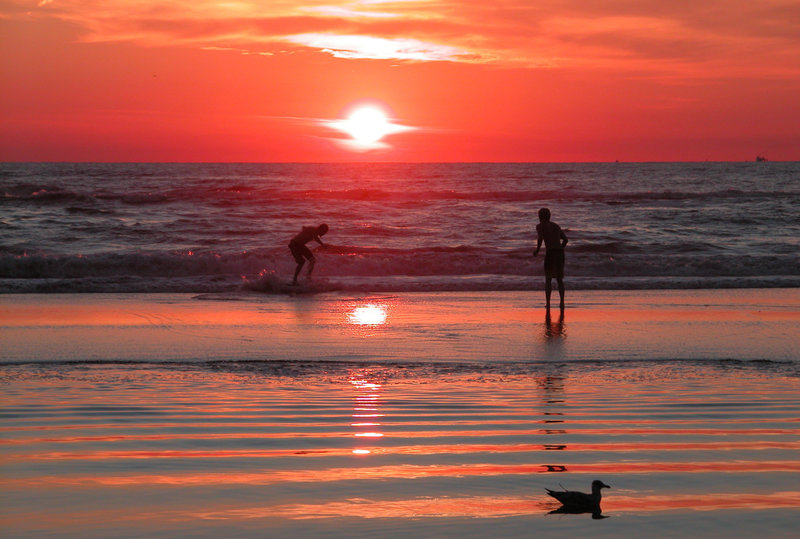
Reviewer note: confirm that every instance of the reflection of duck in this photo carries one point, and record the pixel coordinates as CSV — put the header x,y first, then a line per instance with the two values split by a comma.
x,y
554,447
579,502
564,510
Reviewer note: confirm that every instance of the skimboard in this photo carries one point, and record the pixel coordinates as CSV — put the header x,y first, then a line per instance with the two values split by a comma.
x,y
311,287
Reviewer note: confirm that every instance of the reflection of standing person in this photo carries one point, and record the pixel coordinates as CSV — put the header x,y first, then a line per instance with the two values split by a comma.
x,y
553,330
554,240
299,250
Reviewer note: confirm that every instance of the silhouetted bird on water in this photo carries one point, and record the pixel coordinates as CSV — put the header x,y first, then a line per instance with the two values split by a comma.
x,y
579,502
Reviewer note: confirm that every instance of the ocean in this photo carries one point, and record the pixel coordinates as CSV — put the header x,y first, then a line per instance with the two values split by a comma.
x,y
158,377
396,227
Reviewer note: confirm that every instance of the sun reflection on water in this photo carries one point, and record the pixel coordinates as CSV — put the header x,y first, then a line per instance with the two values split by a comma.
x,y
367,404
368,315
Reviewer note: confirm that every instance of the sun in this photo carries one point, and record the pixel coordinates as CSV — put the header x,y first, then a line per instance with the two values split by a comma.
x,y
367,125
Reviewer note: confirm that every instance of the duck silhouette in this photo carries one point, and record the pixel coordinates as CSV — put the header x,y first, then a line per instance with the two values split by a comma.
x,y
579,502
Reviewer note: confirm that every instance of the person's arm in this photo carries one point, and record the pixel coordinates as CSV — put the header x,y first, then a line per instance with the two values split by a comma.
x,y
564,239
538,240
318,240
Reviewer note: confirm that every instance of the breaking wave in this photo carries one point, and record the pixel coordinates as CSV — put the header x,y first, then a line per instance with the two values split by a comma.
x,y
373,269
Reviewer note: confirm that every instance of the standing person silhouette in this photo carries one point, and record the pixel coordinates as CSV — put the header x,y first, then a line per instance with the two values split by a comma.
x,y
299,250
554,240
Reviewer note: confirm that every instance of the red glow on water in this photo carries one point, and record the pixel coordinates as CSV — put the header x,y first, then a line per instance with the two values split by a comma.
x,y
509,506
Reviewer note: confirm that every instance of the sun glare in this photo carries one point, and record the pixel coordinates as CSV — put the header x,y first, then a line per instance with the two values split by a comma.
x,y
367,125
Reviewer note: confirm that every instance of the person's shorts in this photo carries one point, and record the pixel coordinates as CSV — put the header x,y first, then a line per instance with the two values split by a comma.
x,y
300,252
554,264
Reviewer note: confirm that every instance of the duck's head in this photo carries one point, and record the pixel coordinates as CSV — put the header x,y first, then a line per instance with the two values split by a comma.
x,y
597,485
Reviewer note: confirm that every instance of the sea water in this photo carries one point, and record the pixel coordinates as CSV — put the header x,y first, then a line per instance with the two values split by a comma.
x,y
450,423
396,227
353,449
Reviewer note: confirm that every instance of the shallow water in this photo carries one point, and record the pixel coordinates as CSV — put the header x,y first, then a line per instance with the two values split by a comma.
x,y
422,415
338,449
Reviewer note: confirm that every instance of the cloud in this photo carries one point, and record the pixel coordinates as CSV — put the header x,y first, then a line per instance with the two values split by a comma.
x,y
702,39
245,52
342,131
348,12
377,48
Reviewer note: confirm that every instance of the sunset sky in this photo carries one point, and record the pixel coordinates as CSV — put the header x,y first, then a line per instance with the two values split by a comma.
x,y
507,80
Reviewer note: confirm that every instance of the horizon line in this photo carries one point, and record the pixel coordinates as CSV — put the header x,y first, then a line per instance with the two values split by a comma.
x,y
613,162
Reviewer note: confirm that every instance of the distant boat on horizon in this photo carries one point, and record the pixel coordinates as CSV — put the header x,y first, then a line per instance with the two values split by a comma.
x,y
760,159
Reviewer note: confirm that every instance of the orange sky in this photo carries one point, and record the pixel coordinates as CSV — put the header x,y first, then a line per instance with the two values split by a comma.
x,y
507,80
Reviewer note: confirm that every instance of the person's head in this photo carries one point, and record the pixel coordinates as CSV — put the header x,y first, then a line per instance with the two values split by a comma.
x,y
322,229
544,214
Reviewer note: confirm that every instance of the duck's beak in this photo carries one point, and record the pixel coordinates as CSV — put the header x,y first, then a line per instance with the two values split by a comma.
x,y
604,486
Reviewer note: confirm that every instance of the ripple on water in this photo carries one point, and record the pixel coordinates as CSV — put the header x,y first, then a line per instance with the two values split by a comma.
x,y
388,449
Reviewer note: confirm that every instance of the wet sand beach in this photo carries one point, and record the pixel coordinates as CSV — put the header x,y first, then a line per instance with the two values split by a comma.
x,y
408,327
419,414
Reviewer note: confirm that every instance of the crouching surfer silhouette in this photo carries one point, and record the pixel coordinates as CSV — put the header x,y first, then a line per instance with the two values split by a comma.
x,y
301,252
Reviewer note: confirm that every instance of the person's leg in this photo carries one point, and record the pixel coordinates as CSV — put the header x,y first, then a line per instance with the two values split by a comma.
x,y
311,262
559,275
297,253
300,264
548,290
548,277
